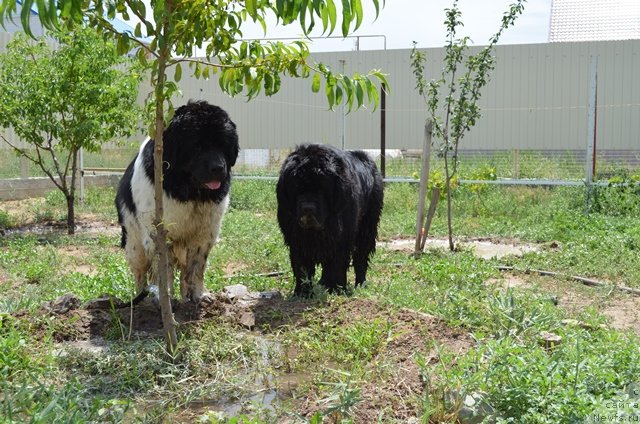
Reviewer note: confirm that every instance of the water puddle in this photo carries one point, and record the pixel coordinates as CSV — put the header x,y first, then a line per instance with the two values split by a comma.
x,y
269,387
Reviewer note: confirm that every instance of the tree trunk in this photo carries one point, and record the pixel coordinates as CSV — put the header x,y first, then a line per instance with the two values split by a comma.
x,y
71,195
447,179
164,279
71,219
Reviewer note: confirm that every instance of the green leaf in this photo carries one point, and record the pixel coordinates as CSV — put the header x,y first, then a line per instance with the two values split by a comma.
x,y
372,93
333,16
329,91
315,83
280,8
251,7
263,24
376,4
177,76
359,92
338,95
356,9
346,17
303,16
383,80
325,18
25,14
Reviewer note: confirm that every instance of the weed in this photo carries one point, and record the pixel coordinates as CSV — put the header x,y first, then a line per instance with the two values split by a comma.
x,y
343,397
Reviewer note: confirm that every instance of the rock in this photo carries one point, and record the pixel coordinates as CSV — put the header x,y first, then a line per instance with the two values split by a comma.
x,y
236,291
271,294
474,409
549,340
106,301
63,304
247,319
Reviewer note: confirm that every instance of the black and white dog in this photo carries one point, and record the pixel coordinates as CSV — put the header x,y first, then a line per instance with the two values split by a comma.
x,y
329,206
200,147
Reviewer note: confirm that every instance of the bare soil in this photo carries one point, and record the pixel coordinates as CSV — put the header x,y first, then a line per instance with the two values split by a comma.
x,y
84,225
485,248
622,310
395,393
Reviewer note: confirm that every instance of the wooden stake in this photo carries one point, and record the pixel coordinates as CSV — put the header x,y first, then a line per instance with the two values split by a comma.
x,y
435,196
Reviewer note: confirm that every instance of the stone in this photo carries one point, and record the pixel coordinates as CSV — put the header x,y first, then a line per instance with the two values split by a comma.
x,y
63,304
236,291
247,319
106,301
549,340
474,409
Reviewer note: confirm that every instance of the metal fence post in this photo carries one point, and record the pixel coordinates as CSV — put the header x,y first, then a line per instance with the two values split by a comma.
x,y
383,130
590,156
81,162
24,168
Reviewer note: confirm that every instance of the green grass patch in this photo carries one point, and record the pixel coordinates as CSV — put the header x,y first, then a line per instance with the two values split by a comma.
x,y
522,380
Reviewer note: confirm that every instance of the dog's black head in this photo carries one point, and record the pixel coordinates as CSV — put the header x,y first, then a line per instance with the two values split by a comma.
x,y
311,211
200,147
311,185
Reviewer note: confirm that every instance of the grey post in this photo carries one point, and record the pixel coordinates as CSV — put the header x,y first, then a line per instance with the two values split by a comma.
x,y
591,130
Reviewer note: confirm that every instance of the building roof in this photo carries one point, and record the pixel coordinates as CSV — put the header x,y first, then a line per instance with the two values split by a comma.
x,y
594,20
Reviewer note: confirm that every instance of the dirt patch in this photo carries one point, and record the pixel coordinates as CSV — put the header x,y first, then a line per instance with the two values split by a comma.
x,y
621,309
482,248
22,211
508,281
109,317
624,314
232,268
77,259
396,394
60,227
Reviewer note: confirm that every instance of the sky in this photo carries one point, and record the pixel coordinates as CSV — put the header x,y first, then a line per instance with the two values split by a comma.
x,y
405,21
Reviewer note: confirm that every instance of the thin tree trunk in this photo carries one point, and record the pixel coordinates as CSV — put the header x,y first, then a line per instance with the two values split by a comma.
x,y
449,213
164,279
71,221
71,196
424,182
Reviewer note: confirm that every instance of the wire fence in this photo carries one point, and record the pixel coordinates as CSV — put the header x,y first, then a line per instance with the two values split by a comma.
x,y
401,164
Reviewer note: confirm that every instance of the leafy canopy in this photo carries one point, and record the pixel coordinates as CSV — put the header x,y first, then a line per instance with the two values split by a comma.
x,y
75,95
215,29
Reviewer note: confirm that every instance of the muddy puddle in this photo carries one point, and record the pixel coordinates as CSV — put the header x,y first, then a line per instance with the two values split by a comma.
x,y
86,327
268,388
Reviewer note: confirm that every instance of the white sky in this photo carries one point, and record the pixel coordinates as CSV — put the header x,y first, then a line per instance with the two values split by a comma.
x,y
403,21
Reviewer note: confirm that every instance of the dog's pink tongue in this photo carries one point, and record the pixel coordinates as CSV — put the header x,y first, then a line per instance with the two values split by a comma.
x,y
213,185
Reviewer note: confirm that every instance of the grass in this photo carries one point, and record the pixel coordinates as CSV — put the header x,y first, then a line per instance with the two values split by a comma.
x,y
338,357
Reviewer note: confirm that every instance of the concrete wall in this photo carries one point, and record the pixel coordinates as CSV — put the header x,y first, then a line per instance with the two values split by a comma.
x,y
536,100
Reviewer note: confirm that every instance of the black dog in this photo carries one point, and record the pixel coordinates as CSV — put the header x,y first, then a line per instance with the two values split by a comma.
x,y
329,205
200,147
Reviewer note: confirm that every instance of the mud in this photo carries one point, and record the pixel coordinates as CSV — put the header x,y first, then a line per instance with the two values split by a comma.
x,y
395,394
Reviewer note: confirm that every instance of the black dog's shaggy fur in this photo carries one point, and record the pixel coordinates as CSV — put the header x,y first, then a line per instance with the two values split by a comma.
x,y
200,147
329,205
